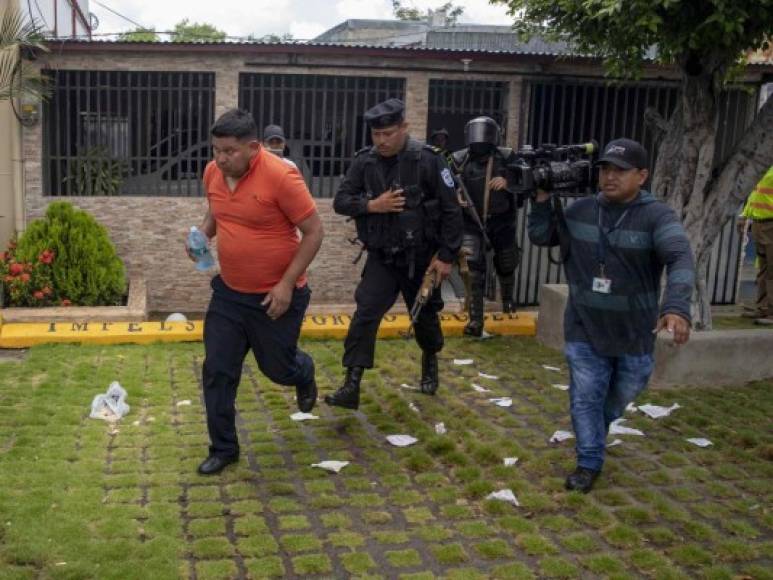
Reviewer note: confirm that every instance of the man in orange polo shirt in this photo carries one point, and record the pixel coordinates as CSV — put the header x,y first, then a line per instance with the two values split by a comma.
x,y
257,206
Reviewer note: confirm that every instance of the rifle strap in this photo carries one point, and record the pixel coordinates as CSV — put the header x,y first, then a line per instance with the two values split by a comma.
x,y
487,187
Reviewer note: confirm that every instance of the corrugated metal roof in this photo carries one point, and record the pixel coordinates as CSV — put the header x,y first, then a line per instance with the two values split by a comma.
x,y
495,39
534,49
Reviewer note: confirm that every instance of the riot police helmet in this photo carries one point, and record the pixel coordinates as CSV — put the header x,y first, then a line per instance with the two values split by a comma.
x,y
482,135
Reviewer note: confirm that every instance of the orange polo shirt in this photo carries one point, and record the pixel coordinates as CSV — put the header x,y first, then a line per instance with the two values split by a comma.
x,y
256,223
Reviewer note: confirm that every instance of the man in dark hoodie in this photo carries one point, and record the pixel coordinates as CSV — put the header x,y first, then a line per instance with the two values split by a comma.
x,y
615,247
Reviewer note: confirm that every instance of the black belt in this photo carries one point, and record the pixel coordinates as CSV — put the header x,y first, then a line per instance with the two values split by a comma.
x,y
762,221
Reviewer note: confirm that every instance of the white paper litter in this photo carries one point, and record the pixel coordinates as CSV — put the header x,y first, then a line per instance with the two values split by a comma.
x,y
700,441
559,436
485,376
463,361
561,387
409,387
184,403
302,416
334,466
440,428
615,443
136,423
631,407
616,428
656,411
480,389
401,440
510,461
502,401
412,406
550,368
506,495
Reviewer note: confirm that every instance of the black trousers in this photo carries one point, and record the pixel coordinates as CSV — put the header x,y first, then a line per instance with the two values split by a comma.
x,y
382,280
235,323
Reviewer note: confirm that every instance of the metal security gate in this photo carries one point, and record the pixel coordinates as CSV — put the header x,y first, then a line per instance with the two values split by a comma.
x,y
452,103
127,133
322,118
577,111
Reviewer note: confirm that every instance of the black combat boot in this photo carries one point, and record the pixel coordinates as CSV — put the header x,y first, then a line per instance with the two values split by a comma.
x,y
475,326
507,288
429,373
348,396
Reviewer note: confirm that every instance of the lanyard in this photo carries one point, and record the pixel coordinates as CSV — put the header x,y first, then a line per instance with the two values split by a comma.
x,y
601,247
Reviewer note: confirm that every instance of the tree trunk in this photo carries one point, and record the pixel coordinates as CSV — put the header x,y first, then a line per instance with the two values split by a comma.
x,y
685,177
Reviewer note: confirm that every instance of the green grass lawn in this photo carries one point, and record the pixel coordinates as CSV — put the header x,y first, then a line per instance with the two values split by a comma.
x,y
737,323
83,499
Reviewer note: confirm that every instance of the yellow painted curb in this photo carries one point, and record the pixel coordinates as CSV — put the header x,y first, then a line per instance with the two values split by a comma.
x,y
22,335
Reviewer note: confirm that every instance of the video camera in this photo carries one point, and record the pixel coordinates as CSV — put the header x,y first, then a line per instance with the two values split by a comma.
x,y
564,170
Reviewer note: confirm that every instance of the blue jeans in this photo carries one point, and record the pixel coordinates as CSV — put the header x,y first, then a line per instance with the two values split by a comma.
x,y
600,388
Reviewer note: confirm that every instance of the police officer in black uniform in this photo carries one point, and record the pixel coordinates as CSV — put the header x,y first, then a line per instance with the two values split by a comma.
x,y
439,140
401,194
483,168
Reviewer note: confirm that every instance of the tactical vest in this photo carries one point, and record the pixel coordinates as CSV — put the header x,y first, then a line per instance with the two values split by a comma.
x,y
416,225
473,174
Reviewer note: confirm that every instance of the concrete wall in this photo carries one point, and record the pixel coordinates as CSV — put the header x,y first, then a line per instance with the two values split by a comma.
x,y
712,359
8,170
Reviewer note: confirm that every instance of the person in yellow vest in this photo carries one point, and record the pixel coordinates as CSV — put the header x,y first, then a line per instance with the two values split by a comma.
x,y
759,209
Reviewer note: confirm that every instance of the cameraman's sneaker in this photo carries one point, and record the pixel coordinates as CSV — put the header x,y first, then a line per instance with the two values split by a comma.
x,y
581,480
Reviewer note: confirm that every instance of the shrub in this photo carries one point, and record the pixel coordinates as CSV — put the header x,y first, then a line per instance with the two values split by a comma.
x,y
87,270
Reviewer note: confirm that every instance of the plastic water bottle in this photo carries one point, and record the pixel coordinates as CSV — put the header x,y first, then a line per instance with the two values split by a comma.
x,y
199,247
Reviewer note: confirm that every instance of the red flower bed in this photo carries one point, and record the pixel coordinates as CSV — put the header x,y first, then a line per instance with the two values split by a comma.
x,y
28,283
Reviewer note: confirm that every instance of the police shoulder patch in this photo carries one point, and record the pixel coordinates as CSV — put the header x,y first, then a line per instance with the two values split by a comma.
x,y
447,177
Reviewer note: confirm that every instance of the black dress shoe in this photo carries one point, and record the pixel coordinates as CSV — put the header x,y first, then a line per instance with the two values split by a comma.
x,y
429,373
581,480
306,396
348,396
215,464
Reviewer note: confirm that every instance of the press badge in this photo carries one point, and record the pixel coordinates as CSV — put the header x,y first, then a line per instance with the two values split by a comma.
x,y
602,285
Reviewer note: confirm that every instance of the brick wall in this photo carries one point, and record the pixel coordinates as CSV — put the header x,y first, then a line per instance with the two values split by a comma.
x,y
149,232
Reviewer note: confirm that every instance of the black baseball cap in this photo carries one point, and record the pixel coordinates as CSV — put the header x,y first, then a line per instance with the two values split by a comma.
x,y
273,132
625,154
386,114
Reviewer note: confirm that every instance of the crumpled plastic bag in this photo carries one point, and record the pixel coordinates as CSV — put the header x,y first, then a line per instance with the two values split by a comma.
x,y
112,405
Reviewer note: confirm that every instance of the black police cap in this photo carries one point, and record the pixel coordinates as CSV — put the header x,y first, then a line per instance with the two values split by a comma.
x,y
386,114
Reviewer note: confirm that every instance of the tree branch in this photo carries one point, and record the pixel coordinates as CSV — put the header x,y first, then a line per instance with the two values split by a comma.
x,y
656,122
750,159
